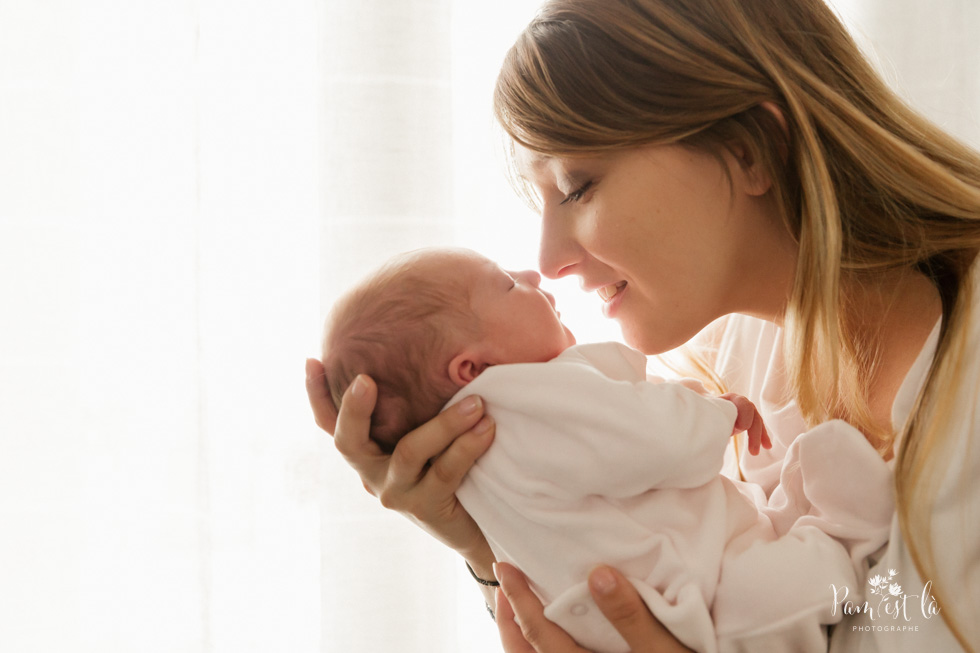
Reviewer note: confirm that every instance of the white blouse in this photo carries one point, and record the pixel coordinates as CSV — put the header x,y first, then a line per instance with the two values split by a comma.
x,y
895,610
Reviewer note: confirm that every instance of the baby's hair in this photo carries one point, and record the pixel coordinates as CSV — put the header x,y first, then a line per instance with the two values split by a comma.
x,y
400,326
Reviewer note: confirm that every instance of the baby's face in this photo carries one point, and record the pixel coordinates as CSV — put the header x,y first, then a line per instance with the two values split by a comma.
x,y
521,322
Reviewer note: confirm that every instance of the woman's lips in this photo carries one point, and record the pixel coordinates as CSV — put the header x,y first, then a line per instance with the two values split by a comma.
x,y
608,292
612,296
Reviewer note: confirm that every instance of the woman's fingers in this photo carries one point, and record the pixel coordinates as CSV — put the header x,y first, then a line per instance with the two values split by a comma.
x,y
448,468
421,476
524,629
511,636
623,607
423,445
523,608
353,434
324,411
427,468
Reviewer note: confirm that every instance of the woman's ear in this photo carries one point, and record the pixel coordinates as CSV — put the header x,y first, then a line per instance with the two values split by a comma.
x,y
780,117
466,366
755,174
751,172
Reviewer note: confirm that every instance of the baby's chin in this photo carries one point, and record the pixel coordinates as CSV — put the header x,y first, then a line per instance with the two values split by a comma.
x,y
570,338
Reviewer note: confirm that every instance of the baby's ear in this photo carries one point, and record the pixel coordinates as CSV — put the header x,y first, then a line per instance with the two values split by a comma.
x,y
465,367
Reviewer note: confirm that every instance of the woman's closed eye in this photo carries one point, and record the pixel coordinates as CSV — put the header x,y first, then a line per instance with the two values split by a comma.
x,y
577,194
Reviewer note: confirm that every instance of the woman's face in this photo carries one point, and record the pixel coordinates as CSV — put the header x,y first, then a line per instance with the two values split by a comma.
x,y
664,238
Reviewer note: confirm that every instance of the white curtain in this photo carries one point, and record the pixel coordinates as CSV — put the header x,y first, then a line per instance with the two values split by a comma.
x,y
158,472
184,188
928,52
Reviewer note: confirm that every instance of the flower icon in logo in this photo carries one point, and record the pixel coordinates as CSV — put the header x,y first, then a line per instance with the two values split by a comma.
x,y
883,585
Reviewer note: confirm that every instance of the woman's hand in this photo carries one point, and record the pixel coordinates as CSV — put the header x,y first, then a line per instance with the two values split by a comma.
x,y
524,628
419,479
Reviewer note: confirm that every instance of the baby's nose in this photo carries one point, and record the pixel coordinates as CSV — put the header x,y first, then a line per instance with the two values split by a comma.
x,y
530,276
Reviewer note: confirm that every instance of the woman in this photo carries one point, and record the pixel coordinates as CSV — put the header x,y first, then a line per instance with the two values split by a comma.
x,y
739,164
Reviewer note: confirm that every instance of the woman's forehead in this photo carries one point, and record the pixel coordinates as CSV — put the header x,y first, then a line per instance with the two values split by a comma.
x,y
529,159
531,164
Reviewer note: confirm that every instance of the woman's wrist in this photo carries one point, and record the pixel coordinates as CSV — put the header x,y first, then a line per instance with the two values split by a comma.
x,y
481,562
483,581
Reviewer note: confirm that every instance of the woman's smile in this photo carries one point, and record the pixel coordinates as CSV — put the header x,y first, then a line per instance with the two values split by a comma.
x,y
662,236
612,297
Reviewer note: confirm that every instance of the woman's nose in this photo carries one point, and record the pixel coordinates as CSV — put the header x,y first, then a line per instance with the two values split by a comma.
x,y
559,252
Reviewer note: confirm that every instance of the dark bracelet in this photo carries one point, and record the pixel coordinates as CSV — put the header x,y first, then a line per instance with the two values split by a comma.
x,y
488,583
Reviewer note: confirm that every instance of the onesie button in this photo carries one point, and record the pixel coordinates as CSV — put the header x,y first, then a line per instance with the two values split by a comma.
x,y
579,609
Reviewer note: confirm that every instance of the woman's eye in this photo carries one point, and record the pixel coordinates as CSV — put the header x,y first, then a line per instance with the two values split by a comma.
x,y
576,195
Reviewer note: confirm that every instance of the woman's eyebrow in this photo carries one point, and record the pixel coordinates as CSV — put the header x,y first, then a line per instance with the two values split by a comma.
x,y
536,159
533,160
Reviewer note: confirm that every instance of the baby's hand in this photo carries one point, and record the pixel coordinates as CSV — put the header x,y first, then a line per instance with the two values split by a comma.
x,y
749,420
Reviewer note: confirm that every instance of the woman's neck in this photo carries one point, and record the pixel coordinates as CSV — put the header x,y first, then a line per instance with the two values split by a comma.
x,y
896,312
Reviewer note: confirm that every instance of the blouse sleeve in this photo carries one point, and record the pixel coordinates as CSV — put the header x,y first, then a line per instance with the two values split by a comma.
x,y
565,427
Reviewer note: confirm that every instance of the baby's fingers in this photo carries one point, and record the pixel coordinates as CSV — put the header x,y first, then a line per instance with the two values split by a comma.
x,y
757,435
749,420
764,436
746,412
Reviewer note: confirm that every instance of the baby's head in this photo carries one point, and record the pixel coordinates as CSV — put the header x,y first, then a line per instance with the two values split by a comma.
x,y
427,323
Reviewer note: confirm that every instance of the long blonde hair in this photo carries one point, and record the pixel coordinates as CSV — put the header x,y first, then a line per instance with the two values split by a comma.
x,y
864,184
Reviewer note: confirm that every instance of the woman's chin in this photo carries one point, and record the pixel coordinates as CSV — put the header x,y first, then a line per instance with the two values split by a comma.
x,y
651,340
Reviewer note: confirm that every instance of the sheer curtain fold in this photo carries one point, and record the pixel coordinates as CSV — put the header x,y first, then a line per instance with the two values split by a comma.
x,y
386,186
387,135
157,249
928,52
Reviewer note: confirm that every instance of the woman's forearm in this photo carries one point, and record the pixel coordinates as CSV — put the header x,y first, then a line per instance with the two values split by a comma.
x,y
481,564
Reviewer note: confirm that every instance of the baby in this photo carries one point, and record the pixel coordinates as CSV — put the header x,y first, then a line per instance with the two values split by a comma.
x,y
595,462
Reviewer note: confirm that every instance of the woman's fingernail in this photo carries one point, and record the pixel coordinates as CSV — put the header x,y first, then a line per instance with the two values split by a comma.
x,y
358,387
483,425
309,368
496,574
603,580
469,405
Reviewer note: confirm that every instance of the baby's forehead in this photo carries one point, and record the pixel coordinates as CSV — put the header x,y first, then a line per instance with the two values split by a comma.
x,y
458,262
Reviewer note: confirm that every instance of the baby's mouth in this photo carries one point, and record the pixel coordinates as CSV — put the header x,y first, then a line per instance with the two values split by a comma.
x,y
610,291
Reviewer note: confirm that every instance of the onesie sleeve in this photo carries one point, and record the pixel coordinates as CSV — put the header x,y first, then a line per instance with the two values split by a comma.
x,y
566,428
